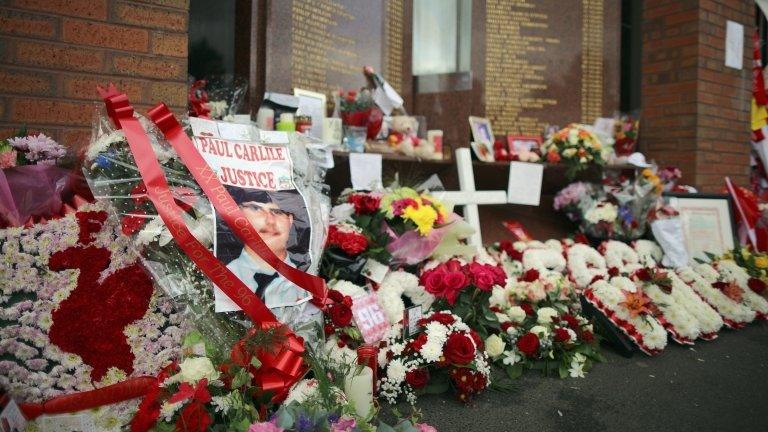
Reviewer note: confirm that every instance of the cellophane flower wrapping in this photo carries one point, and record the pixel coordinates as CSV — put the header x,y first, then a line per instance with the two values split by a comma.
x,y
114,178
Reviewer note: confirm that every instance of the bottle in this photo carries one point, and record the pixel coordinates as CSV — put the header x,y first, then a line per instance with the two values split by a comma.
x,y
265,118
286,123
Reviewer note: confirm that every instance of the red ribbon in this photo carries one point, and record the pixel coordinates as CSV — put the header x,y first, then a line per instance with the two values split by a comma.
x,y
121,112
129,389
227,207
284,365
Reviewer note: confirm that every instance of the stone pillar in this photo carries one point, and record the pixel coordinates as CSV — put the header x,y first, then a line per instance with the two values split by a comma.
x,y
695,110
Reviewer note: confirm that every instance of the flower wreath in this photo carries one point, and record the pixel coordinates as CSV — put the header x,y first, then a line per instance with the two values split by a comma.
x,y
620,257
702,279
446,354
585,265
731,272
629,310
544,260
710,322
61,279
683,327
649,253
392,289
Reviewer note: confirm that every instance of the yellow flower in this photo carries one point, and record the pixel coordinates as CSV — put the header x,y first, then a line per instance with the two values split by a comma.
x,y
647,173
745,253
424,217
761,262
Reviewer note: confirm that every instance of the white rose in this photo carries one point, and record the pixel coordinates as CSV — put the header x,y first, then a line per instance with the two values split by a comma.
x,y
196,368
502,317
539,331
494,346
545,315
516,314
568,153
573,136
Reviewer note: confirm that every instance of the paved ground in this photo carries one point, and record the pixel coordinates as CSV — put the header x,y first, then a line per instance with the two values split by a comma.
x,y
720,385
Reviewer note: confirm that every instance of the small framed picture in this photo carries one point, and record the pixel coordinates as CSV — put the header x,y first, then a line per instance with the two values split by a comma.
x,y
707,221
481,130
312,104
518,143
411,318
483,151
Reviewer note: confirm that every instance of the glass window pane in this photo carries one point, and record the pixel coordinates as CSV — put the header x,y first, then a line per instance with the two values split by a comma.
x,y
435,26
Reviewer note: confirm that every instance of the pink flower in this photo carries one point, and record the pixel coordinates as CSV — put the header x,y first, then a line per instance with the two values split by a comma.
x,y
8,159
40,148
265,427
345,424
423,427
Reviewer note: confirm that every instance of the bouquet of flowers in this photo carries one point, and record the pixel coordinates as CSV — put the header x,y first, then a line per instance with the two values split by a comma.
x,y
625,134
447,354
32,186
395,226
549,339
359,109
576,146
464,289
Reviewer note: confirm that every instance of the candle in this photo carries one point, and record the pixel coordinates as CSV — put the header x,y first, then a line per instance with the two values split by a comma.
x,y
359,390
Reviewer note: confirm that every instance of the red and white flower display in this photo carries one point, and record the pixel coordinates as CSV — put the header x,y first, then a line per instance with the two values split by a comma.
x,y
704,279
629,310
447,352
732,272
585,265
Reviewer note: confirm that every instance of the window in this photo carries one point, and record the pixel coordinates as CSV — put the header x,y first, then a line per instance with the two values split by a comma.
x,y
442,32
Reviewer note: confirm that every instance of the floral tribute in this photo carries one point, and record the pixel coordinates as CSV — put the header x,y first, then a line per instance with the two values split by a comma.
x,y
751,288
630,310
723,297
576,147
32,149
464,289
447,354
77,311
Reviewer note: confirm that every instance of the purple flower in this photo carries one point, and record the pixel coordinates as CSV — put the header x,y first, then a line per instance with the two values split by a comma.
x,y
40,148
571,194
304,424
423,427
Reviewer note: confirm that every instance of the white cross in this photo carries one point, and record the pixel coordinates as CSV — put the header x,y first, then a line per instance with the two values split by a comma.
x,y
469,197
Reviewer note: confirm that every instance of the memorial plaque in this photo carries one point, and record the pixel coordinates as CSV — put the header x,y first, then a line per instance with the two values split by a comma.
x,y
544,64
322,45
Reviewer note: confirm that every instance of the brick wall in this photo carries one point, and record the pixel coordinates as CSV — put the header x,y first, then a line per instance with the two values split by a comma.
x,y
696,110
53,53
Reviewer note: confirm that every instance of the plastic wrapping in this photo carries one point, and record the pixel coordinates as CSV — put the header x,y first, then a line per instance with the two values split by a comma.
x,y
113,176
31,190
218,97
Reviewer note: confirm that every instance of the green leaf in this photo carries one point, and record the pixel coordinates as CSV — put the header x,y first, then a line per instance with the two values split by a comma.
x,y
437,386
284,419
383,427
515,371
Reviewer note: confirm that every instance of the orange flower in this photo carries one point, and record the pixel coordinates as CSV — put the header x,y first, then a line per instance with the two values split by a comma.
x,y
636,303
583,134
733,292
582,152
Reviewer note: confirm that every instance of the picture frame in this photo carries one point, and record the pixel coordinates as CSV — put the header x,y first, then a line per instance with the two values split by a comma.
x,y
481,130
314,105
517,143
483,151
707,221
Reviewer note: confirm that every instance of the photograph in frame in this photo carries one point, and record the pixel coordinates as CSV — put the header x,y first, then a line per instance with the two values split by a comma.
x,y
707,222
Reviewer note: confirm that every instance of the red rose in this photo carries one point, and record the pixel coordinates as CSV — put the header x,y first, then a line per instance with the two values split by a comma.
x,y
341,315
506,325
441,317
756,285
512,253
432,281
328,329
194,418
459,349
455,281
476,337
573,323
364,203
587,336
482,277
336,296
531,275
528,344
499,276
553,157
419,342
417,378
561,335
527,308
347,301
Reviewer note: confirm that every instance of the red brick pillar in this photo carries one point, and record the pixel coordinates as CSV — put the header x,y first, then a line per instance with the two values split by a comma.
x,y
695,110
55,52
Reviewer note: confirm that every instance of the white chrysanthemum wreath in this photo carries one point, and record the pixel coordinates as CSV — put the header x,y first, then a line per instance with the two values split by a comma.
x,y
735,314
731,272
585,264
392,289
613,300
